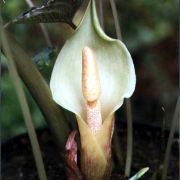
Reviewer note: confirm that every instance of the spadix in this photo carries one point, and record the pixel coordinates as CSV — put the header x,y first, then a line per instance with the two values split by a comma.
x,y
90,76
91,90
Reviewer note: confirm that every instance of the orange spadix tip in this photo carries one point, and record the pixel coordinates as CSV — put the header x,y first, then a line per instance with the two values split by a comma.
x,y
90,76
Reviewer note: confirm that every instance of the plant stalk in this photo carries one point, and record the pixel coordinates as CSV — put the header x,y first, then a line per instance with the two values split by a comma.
x,y
170,140
117,148
176,117
26,112
127,101
42,26
116,20
101,13
129,138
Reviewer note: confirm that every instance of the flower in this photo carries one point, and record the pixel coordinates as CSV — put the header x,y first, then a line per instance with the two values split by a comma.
x,y
116,77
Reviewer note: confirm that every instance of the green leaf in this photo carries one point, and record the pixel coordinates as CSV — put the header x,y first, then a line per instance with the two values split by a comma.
x,y
44,61
139,174
45,57
51,11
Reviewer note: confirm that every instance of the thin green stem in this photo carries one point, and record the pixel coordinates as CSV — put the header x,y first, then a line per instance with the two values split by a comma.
x,y
42,26
116,19
117,148
101,13
46,34
127,101
170,140
25,110
129,138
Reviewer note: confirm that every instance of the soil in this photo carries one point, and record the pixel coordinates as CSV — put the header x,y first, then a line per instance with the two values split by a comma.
x,y
148,150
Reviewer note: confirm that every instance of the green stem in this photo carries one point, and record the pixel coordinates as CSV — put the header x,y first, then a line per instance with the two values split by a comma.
x,y
25,110
170,139
101,13
39,91
42,26
116,19
129,138
117,148
127,101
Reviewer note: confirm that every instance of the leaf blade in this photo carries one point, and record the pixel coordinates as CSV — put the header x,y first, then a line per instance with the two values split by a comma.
x,y
140,173
50,12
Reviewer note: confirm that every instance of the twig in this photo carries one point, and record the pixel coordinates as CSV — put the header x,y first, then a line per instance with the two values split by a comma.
x,y
42,26
170,140
127,101
25,110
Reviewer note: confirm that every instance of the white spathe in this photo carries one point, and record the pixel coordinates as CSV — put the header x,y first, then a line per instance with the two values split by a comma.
x,y
115,66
